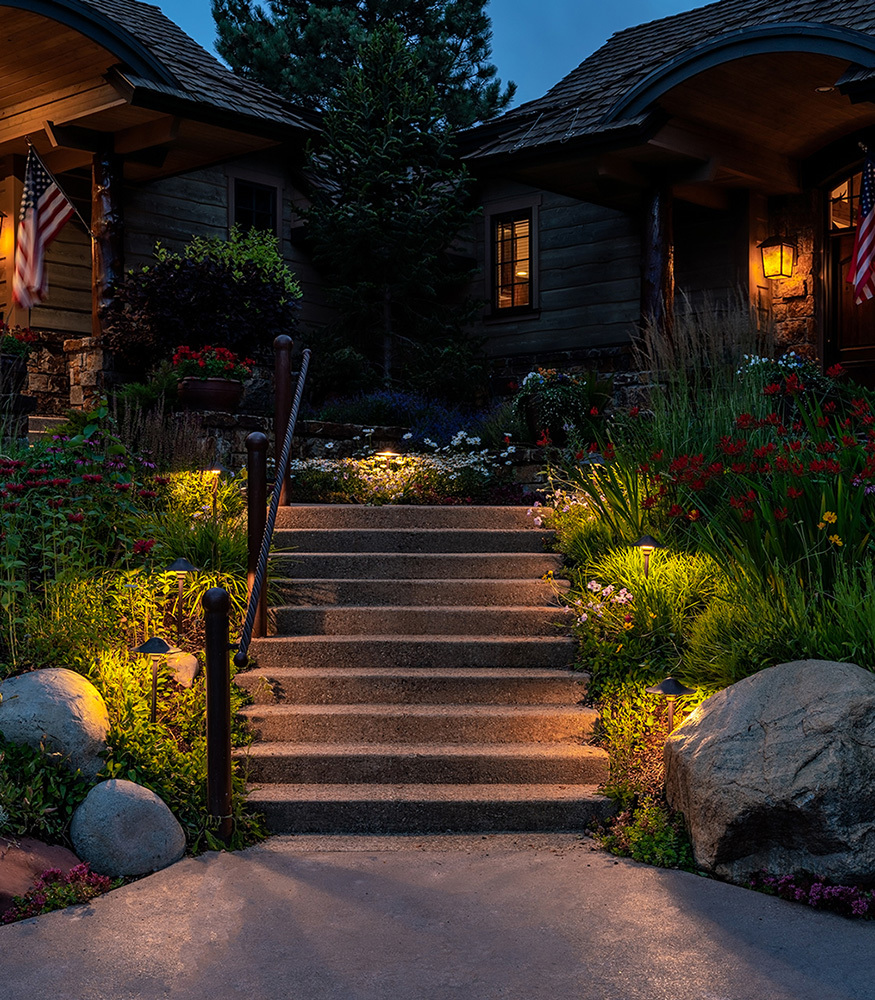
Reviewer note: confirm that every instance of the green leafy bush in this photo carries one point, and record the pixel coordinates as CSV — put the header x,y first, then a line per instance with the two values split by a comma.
x,y
38,793
652,834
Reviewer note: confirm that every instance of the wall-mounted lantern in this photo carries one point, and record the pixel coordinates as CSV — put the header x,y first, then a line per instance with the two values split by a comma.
x,y
670,689
779,256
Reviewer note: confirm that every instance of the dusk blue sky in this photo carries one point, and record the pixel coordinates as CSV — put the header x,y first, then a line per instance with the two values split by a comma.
x,y
534,44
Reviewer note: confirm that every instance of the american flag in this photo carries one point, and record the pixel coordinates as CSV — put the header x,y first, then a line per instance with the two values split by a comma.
x,y
862,272
44,211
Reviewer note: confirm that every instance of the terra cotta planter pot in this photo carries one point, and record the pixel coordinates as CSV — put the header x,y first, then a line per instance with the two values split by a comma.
x,y
210,393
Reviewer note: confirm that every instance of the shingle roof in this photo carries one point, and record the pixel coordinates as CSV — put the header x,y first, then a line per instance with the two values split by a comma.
x,y
200,79
575,108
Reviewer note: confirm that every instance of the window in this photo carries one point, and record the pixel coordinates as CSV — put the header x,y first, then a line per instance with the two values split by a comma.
x,y
254,205
512,261
844,203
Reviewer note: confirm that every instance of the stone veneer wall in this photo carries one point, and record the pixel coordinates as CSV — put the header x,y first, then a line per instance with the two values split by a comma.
x,y
794,300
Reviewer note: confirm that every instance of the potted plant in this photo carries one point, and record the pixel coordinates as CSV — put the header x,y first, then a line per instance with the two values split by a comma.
x,y
210,379
16,343
553,402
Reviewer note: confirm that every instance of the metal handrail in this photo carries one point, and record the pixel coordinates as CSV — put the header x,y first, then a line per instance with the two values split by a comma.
x,y
282,466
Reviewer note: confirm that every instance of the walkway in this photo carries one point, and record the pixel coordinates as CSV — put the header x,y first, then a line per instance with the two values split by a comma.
x,y
515,917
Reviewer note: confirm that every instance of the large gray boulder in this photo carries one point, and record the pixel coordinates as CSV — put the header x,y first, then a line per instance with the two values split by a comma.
x,y
57,708
775,773
124,829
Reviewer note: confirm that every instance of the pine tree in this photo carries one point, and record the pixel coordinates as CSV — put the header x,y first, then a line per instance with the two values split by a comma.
x,y
390,200
300,49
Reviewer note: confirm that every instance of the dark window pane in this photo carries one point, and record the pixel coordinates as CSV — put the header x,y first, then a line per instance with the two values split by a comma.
x,y
254,205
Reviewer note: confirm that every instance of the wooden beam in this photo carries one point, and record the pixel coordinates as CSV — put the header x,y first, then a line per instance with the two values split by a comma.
x,y
657,262
107,245
764,168
25,119
75,137
137,137
706,195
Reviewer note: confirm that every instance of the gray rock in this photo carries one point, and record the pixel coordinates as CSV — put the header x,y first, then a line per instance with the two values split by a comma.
x,y
184,666
124,829
60,709
775,773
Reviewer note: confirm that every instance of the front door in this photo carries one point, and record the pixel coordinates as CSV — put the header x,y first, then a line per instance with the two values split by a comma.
x,y
852,326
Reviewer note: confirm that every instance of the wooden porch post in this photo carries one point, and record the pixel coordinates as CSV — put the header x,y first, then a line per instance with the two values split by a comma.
x,y
107,227
657,262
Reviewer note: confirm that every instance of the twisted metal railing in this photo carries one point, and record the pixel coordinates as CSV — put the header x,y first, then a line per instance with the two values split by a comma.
x,y
257,444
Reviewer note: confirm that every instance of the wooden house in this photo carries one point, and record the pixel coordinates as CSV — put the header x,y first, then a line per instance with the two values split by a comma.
x,y
152,138
660,165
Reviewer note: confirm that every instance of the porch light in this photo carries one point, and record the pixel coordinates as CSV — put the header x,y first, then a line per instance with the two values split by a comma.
x,y
647,546
670,689
779,256
156,649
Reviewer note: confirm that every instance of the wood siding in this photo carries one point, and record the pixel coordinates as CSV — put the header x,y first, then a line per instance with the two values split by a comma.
x,y
588,269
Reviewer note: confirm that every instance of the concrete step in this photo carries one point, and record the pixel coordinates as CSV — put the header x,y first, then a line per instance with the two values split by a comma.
x,y
428,808
412,566
396,686
412,651
413,540
382,620
428,763
435,593
419,723
403,516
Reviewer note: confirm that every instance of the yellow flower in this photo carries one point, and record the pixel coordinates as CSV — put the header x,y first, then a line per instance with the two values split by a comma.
x,y
627,624
829,517
836,540
821,526
619,647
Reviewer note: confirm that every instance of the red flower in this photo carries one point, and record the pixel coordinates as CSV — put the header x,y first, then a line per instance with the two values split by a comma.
x,y
739,503
60,482
121,487
76,518
149,494
649,502
608,451
657,456
780,513
578,455
675,510
16,487
11,506
694,514
92,478
766,449
744,421
143,546
827,447
823,421
164,480
792,445
829,407
793,492
792,384
747,515
634,411
730,447
835,371
739,468
593,411
849,442
56,503
772,390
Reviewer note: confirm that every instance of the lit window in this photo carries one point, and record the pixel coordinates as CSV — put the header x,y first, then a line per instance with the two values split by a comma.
x,y
844,203
254,205
512,281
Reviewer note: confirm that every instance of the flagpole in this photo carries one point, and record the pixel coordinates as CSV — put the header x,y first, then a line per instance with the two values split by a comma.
x,y
76,211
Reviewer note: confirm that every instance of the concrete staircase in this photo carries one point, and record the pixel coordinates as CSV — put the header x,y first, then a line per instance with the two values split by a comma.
x,y
417,678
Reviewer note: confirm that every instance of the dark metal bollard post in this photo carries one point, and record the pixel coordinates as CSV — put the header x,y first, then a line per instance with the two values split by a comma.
x,y
256,502
282,347
217,604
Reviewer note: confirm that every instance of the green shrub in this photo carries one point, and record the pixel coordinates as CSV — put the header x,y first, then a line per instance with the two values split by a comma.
x,y
38,793
652,834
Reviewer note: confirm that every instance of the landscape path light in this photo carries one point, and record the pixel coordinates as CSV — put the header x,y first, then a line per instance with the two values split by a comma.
x,y
180,567
670,689
647,546
156,649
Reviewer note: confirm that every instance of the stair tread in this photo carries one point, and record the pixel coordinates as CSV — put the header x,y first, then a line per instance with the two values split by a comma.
x,y
420,673
421,792
424,608
516,640
524,750
368,708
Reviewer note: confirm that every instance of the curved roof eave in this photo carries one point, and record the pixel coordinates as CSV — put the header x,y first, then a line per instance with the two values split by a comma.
x,y
101,29
802,36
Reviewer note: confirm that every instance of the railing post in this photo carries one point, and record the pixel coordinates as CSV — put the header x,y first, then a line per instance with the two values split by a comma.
x,y
256,503
217,605
282,347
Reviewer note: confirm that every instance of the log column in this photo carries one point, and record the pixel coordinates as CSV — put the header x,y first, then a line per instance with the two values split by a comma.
x,y
107,227
657,262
